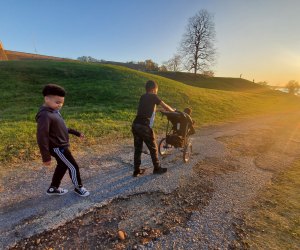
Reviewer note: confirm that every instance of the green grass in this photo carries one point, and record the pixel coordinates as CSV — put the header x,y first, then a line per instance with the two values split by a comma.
x,y
274,222
101,101
220,83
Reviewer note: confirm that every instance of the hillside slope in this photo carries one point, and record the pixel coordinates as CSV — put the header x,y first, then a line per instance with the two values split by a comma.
x,y
101,101
17,55
220,83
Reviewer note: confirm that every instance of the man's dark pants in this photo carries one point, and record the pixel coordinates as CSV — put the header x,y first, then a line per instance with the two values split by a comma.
x,y
142,133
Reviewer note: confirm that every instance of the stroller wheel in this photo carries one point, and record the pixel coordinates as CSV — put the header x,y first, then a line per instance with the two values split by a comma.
x,y
164,148
187,151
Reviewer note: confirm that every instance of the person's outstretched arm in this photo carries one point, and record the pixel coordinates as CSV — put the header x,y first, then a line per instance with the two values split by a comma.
x,y
166,106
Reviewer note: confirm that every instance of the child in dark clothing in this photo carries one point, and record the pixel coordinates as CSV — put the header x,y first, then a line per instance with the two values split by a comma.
x,y
191,122
142,131
53,140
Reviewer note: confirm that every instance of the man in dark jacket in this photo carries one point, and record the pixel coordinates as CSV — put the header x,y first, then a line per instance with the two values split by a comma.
x,y
53,140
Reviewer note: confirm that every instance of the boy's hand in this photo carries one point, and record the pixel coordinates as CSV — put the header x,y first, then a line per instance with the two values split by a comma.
x,y
82,136
47,163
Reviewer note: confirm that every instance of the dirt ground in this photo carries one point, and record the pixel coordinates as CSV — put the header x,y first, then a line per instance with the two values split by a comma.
x,y
202,210
142,217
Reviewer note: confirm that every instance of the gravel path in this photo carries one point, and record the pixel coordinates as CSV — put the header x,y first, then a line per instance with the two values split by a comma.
x,y
240,157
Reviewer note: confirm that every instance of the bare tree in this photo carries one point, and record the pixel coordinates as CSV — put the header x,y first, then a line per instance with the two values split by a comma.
x,y
87,59
293,87
174,63
147,65
150,65
208,73
197,46
163,68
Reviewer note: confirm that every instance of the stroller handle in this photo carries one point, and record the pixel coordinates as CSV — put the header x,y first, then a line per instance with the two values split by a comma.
x,y
163,112
172,115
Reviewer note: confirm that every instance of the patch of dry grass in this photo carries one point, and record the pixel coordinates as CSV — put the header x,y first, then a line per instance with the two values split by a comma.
x,y
274,221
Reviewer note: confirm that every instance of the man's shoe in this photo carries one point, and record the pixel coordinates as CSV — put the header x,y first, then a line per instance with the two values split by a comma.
x,y
139,172
56,191
82,191
160,170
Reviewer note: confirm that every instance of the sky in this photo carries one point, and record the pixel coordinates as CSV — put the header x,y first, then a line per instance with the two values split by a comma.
x,y
259,39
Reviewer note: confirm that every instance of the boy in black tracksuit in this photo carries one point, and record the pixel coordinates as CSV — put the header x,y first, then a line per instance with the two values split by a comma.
x,y
53,140
142,131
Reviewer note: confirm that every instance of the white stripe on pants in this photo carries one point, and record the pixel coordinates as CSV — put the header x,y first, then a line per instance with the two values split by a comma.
x,y
68,164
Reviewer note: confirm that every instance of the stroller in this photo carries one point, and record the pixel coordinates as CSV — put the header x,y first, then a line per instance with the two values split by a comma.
x,y
179,128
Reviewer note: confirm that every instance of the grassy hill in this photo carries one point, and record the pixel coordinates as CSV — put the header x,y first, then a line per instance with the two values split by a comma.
x,y
101,100
220,83
17,55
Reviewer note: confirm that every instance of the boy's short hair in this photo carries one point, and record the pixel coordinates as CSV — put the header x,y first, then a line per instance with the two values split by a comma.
x,y
187,110
53,89
150,85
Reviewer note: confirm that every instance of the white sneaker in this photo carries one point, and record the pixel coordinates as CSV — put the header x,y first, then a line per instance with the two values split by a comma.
x,y
82,191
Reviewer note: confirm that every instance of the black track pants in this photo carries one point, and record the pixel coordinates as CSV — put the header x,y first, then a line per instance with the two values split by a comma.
x,y
65,161
142,133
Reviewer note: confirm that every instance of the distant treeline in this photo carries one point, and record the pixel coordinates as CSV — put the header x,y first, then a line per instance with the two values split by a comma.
x,y
147,65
